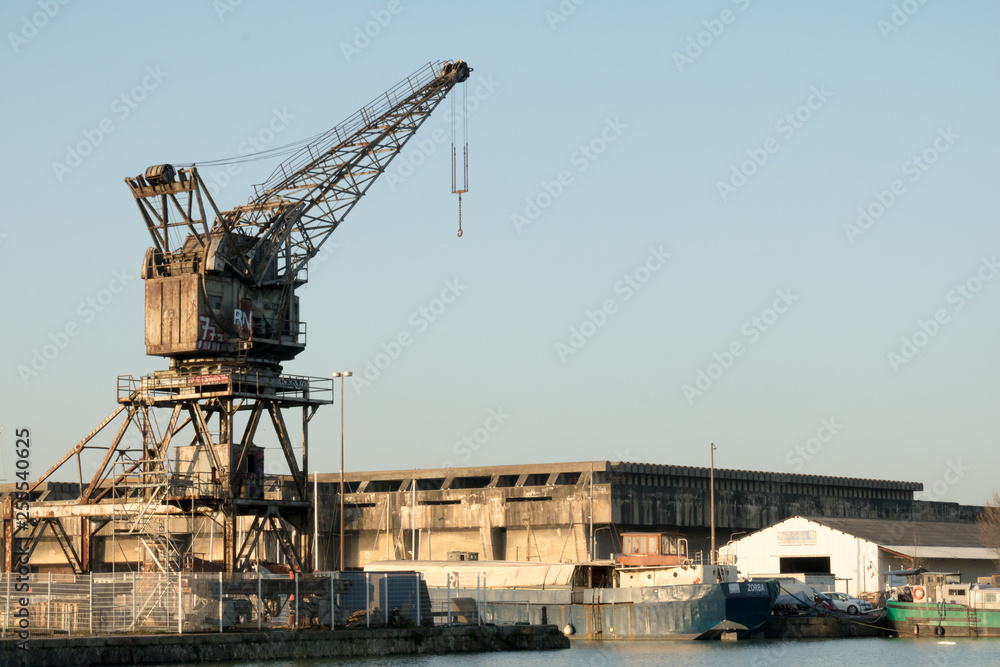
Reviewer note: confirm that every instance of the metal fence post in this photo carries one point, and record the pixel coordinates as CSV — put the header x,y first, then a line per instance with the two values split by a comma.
x,y
90,598
222,606
6,608
368,620
134,619
333,621
258,597
449,599
479,602
298,603
416,582
180,606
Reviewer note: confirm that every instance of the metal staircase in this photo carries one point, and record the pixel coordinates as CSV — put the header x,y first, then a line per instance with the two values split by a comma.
x,y
153,594
164,551
139,490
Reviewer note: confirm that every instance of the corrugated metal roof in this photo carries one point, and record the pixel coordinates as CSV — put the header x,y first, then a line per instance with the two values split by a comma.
x,y
886,532
786,477
583,467
965,553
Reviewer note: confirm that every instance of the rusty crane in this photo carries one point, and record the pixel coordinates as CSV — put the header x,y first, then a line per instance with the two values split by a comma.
x,y
221,305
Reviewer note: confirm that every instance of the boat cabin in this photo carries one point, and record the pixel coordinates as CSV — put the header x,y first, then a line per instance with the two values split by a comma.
x,y
651,549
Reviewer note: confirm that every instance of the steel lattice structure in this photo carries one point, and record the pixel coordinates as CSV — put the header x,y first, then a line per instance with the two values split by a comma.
x,y
221,305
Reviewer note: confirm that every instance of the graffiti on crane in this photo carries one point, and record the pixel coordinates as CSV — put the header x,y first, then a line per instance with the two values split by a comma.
x,y
243,319
211,338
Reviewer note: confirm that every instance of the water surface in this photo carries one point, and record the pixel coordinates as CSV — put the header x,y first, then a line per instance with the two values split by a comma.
x,y
878,652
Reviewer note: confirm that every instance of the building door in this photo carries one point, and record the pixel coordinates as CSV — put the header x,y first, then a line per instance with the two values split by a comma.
x,y
810,564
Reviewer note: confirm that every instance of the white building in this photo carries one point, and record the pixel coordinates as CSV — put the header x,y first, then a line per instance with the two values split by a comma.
x,y
859,551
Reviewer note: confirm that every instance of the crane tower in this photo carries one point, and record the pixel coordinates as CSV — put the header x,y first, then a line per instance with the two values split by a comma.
x,y
221,306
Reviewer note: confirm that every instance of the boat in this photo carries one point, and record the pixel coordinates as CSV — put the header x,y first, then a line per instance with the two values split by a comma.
x,y
935,604
652,590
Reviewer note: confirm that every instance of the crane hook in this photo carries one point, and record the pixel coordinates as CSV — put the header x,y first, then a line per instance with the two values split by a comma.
x,y
465,154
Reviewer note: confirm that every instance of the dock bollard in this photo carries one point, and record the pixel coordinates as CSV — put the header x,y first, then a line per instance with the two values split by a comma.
x,y
545,616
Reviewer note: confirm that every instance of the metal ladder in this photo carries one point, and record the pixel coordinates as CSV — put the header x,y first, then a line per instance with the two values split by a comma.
x,y
972,621
598,627
243,347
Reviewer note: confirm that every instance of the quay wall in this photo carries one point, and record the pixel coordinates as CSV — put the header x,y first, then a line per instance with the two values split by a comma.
x,y
259,646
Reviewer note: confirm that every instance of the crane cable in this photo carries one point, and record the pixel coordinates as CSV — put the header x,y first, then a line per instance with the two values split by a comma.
x,y
286,149
465,152
297,146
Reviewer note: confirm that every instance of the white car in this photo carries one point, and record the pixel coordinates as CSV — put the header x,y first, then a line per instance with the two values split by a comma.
x,y
846,603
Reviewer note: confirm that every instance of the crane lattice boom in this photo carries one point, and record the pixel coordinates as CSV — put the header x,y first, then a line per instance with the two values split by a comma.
x,y
220,283
306,198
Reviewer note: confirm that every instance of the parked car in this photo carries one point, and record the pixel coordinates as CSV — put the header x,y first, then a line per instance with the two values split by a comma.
x,y
844,602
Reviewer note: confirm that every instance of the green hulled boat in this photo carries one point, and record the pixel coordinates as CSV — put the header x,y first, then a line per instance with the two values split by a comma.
x,y
950,610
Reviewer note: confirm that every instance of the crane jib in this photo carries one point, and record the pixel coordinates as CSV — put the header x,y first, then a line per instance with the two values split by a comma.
x,y
222,282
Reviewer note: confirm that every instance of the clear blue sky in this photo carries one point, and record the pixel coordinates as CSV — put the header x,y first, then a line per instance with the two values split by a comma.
x,y
729,148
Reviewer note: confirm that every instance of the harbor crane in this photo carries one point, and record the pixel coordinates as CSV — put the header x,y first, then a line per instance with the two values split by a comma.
x,y
221,306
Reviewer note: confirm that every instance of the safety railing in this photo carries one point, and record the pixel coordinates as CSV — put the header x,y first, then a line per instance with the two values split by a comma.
x,y
226,382
184,602
187,602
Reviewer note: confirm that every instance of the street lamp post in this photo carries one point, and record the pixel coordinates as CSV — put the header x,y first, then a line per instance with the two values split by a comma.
x,y
342,375
594,541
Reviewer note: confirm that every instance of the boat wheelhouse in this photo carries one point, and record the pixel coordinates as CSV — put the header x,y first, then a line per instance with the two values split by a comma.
x,y
651,549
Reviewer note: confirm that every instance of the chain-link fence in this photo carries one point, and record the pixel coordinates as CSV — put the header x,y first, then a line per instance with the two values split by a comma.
x,y
511,612
460,600
134,602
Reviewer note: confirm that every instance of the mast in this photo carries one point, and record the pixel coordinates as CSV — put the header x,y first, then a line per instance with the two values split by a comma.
x,y
712,502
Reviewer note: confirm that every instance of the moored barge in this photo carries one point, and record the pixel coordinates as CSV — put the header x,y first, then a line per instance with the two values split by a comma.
x,y
653,590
